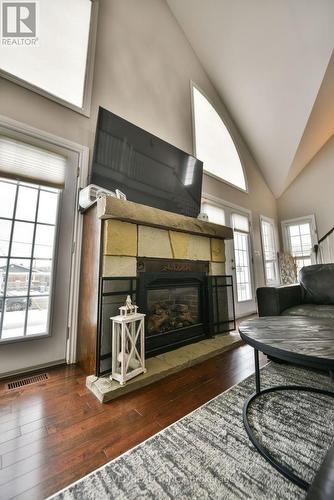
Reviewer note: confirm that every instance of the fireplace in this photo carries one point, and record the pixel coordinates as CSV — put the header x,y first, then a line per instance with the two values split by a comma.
x,y
172,293
182,302
172,266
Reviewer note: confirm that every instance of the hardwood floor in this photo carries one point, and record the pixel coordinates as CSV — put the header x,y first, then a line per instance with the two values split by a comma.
x,y
55,432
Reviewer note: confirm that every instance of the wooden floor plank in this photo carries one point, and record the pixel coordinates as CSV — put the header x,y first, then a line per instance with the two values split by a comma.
x,y
55,432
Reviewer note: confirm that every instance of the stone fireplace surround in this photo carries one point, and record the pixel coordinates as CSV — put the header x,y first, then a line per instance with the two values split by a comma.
x,y
128,233
132,230
130,248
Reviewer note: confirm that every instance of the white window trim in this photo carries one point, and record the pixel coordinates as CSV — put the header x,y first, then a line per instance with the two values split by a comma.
x,y
89,74
17,130
264,218
209,174
219,202
314,235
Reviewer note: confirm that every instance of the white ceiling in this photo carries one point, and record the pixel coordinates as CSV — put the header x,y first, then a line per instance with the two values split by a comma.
x,y
268,59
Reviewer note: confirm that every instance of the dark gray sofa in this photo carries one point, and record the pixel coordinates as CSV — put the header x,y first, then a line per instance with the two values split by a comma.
x,y
312,296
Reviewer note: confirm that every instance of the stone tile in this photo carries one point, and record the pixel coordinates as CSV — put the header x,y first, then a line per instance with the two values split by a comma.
x,y
217,268
179,242
178,357
189,246
217,250
105,389
153,242
120,238
163,365
119,266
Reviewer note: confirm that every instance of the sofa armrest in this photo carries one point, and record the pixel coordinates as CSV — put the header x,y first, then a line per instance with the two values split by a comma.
x,y
273,301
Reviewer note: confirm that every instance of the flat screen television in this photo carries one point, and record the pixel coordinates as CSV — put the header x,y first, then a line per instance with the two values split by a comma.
x,y
145,168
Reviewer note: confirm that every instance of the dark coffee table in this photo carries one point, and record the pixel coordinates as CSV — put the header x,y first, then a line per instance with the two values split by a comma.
x,y
300,340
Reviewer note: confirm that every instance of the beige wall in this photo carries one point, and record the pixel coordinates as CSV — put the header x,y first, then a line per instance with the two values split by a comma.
x,y
143,68
312,191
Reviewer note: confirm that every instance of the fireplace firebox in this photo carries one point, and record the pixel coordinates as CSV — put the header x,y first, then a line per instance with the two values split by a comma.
x,y
173,295
182,302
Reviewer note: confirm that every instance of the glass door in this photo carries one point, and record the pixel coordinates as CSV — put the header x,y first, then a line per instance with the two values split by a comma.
x,y
241,263
36,235
238,253
28,223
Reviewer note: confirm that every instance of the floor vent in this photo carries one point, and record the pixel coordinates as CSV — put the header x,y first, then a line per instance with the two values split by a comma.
x,y
22,382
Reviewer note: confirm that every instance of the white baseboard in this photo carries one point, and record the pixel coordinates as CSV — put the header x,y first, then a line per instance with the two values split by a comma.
x,y
32,369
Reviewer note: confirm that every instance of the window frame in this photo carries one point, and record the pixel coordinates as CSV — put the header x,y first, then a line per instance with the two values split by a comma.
x,y
271,221
205,172
310,219
89,73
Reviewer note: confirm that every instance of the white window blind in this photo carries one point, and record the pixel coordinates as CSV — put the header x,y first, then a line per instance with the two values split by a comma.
x,y
240,223
22,161
214,213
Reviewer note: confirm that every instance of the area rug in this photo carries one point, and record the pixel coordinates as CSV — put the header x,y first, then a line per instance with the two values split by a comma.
x,y
207,454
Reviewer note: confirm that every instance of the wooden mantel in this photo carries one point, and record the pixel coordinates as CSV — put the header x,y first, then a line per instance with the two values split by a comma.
x,y
127,211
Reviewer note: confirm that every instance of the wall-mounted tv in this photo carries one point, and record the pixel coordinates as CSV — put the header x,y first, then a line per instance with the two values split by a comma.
x,y
147,169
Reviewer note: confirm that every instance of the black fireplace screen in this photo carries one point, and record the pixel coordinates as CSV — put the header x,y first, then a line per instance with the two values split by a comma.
x,y
112,295
221,304
169,309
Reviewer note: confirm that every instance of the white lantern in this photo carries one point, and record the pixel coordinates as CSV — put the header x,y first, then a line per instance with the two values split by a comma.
x,y
128,343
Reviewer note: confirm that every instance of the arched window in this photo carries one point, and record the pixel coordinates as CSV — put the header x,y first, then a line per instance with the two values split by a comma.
x,y
214,144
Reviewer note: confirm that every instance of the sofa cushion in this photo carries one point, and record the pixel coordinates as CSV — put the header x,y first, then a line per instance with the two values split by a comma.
x,y
318,283
312,310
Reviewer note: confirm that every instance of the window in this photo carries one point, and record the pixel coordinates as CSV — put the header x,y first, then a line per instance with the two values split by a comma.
x,y
28,216
57,64
269,250
214,144
215,214
299,239
240,224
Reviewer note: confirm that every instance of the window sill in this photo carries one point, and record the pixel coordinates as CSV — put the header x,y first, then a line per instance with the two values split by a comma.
x,y
24,339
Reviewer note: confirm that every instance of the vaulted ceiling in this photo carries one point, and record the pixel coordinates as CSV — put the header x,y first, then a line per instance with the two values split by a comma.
x,y
272,63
